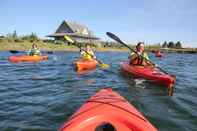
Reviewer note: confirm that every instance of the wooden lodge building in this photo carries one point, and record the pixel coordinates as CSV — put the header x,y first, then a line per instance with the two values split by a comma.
x,y
77,32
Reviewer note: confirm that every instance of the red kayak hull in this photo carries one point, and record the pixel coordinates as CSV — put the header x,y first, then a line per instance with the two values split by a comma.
x,y
107,106
83,64
27,58
158,55
149,73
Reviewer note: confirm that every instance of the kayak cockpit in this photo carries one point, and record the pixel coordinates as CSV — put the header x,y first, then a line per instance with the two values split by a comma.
x,y
105,127
114,121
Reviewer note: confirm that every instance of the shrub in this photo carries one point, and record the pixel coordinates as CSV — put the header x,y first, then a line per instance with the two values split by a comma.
x,y
18,40
59,42
1,40
32,37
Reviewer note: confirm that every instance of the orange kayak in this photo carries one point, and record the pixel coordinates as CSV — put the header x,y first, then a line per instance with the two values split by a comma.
x,y
107,111
83,64
27,58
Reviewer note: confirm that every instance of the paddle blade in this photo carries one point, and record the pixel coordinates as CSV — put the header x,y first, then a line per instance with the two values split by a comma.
x,y
104,66
14,51
111,35
68,39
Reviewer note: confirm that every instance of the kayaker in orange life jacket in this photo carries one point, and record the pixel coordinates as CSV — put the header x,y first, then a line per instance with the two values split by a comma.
x,y
87,53
140,57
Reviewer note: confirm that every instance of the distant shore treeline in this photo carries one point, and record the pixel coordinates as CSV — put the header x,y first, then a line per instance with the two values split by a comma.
x,y
14,41
171,44
13,37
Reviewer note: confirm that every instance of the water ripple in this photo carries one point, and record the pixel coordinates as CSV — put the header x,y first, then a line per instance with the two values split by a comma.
x,y
41,96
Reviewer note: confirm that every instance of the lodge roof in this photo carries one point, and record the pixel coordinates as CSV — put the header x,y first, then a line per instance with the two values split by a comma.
x,y
73,29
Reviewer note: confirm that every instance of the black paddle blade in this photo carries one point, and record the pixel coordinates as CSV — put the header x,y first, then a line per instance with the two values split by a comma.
x,y
111,35
49,52
14,51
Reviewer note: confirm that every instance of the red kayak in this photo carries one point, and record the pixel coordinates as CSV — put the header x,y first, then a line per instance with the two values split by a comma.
x,y
158,54
84,64
107,111
149,73
27,58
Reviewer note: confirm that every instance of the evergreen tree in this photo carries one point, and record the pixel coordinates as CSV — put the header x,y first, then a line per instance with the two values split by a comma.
x,y
178,44
171,44
165,44
14,35
33,37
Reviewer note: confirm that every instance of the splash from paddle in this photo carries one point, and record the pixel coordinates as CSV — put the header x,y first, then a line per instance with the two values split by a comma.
x,y
100,63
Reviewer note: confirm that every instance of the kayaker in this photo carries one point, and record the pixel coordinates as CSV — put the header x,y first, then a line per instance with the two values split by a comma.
x,y
140,57
34,50
87,53
158,53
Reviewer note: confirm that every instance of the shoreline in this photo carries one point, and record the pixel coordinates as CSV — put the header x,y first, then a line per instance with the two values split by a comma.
x,y
180,51
24,46
71,50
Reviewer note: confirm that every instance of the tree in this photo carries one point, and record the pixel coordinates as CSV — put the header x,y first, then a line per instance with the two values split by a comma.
x,y
178,44
33,37
171,44
165,44
14,35
159,45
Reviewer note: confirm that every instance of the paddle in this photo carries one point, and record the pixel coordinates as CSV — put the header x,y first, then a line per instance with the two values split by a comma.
x,y
121,42
114,37
101,64
14,51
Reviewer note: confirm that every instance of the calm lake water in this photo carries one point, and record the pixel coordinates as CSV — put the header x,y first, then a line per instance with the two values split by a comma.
x,y
41,96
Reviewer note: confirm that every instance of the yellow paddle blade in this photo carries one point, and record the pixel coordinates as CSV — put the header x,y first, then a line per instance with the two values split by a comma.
x,y
104,66
68,39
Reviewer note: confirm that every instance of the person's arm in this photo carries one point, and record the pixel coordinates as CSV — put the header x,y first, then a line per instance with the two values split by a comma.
x,y
29,52
147,60
93,55
37,52
82,52
132,56
146,56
